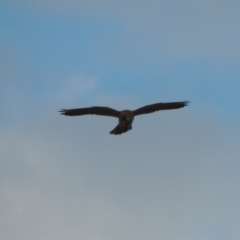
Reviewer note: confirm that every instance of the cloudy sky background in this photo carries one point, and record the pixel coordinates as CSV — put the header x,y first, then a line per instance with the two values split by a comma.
x,y
175,175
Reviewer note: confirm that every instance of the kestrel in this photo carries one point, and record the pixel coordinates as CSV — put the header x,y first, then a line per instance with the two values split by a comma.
x,y
125,117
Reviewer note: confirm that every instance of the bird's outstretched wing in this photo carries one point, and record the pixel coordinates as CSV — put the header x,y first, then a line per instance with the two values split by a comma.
x,y
103,111
159,106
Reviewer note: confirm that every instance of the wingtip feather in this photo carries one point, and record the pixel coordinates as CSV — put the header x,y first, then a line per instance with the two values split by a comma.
x,y
63,111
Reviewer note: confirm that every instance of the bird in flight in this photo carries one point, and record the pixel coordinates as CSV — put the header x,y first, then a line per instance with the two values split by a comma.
x,y
125,117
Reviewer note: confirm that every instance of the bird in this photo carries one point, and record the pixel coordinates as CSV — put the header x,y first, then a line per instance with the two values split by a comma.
x,y
125,117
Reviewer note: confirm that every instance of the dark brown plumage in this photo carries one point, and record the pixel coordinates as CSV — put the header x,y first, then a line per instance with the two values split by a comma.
x,y
125,117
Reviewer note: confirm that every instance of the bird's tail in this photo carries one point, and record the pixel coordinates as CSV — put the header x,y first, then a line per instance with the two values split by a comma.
x,y
120,129
117,130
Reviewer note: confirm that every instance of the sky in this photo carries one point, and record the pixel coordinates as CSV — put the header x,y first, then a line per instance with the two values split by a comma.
x,y
175,175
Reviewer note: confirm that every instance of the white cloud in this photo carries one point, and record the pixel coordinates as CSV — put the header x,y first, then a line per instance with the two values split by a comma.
x,y
172,177
76,87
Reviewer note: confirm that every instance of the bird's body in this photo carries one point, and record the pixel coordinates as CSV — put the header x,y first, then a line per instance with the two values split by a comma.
x,y
125,122
125,117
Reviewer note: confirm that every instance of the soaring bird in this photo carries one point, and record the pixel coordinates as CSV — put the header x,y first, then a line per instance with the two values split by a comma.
x,y
125,117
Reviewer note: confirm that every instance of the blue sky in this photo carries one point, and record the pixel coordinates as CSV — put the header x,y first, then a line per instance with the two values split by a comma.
x,y
51,46
175,175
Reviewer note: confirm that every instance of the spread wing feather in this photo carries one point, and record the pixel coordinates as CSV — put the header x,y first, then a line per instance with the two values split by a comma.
x,y
103,111
159,106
